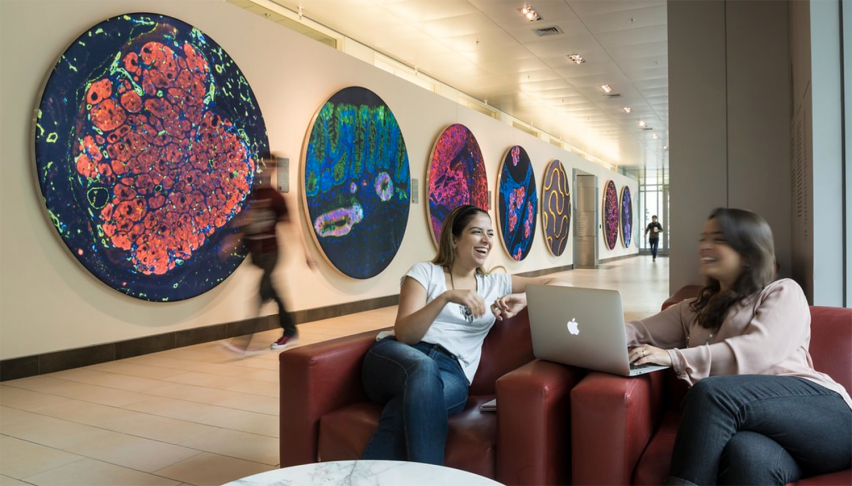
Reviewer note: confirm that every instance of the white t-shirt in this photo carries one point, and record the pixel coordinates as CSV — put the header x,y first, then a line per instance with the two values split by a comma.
x,y
455,328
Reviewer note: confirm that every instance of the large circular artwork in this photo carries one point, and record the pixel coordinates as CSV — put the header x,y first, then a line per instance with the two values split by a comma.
x,y
518,203
357,184
456,176
610,215
555,207
145,141
626,226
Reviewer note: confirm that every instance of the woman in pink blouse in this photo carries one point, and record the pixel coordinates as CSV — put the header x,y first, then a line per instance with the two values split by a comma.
x,y
757,412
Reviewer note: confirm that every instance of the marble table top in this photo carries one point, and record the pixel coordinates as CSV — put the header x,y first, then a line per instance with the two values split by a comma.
x,y
365,473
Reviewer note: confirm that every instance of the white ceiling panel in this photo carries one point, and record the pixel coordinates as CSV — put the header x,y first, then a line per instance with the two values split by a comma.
x,y
626,19
632,37
588,8
488,50
468,24
414,11
639,50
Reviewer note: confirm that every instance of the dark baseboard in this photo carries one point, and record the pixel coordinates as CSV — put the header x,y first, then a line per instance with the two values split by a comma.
x,y
622,257
539,273
15,368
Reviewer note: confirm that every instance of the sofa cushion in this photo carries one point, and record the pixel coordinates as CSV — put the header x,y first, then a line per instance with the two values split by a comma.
x,y
344,433
653,467
831,343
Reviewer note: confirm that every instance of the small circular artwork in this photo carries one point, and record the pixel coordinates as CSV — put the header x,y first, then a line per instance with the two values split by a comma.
x,y
518,203
610,215
555,207
146,140
456,176
357,184
626,226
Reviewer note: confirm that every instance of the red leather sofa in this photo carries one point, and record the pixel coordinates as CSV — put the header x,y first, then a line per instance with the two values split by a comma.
x,y
624,428
325,415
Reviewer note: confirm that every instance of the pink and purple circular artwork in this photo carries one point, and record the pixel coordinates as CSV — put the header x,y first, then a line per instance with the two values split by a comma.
x,y
456,176
146,141
610,214
626,226
517,203
556,207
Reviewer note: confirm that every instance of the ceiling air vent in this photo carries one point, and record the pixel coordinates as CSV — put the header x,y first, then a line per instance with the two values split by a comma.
x,y
612,95
546,31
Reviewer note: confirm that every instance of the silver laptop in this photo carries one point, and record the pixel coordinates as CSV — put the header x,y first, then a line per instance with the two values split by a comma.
x,y
581,327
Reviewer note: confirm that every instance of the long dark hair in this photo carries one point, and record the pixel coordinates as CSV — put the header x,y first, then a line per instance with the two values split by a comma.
x,y
454,224
750,236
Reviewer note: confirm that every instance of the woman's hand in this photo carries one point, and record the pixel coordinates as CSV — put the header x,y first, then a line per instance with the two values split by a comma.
x,y
509,306
647,354
469,299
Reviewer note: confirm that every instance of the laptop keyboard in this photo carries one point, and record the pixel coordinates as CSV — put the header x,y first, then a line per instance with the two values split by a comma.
x,y
640,367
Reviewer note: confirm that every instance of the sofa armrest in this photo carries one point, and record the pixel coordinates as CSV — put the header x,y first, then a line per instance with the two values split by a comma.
x,y
314,380
685,292
533,427
612,420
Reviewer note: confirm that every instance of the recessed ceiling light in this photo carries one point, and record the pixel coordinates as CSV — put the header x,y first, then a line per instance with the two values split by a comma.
x,y
576,58
642,123
665,147
607,88
627,109
655,136
530,13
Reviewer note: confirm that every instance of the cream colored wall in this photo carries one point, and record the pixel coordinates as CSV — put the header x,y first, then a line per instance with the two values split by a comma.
x,y
730,110
49,302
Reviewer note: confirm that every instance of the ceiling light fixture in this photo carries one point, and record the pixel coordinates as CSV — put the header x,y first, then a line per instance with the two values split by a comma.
x,y
607,88
530,13
627,109
655,136
642,123
576,58
665,147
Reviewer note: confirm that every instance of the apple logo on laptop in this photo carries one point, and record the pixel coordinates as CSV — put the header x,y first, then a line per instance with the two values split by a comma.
x,y
574,326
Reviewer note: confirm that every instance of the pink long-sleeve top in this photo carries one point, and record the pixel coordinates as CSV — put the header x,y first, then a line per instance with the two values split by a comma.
x,y
767,334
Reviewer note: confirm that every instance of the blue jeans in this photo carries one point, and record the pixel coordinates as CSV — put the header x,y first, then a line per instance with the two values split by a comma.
x,y
421,387
760,429
654,243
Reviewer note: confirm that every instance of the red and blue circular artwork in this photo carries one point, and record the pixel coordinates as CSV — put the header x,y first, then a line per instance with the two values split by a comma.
x,y
518,203
145,143
556,207
357,183
610,215
456,176
626,226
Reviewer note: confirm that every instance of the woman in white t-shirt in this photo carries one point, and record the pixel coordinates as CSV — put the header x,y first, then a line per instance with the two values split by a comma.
x,y
422,372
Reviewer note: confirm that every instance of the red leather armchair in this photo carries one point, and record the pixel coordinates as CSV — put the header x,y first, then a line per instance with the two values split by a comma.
x,y
624,428
325,415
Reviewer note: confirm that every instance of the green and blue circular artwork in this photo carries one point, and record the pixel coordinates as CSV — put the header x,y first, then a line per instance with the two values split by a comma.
x,y
357,182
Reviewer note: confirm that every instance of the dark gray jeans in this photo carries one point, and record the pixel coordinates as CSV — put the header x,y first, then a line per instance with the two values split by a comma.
x,y
267,262
760,429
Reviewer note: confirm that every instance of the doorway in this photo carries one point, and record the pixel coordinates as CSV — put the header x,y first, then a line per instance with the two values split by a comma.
x,y
585,220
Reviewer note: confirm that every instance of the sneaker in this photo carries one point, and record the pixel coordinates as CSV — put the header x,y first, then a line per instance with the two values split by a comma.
x,y
284,342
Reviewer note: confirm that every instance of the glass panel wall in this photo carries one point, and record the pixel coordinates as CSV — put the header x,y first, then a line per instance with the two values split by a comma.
x,y
653,200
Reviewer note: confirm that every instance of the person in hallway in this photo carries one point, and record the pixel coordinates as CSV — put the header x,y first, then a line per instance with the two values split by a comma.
x,y
654,228
757,412
258,226
422,371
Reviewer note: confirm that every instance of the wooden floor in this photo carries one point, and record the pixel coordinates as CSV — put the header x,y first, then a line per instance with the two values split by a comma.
x,y
198,415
